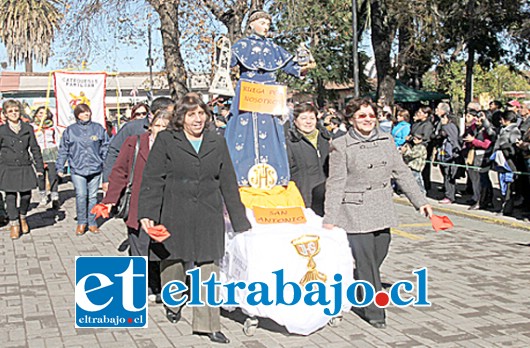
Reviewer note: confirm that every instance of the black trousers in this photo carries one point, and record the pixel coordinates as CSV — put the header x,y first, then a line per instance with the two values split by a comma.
x,y
369,251
474,178
11,204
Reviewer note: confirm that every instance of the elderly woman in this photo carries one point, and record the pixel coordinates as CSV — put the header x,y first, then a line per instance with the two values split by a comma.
x,y
187,178
308,149
18,152
84,144
359,195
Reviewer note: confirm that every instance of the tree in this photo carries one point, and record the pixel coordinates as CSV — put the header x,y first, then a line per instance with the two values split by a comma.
x,y
28,28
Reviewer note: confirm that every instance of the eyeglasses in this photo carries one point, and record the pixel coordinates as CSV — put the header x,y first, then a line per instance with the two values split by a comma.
x,y
363,116
140,113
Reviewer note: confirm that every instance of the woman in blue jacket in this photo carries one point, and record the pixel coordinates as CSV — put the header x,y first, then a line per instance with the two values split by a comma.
x,y
84,144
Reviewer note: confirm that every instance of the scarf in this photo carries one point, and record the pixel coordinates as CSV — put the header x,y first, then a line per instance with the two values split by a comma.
x,y
312,137
15,127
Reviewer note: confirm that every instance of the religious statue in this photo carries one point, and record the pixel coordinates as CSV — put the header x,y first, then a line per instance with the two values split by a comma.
x,y
256,138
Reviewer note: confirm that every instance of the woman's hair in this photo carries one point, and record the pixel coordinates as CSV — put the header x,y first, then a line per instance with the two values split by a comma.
x,y
187,103
355,104
80,109
49,114
11,103
509,116
405,114
136,107
162,114
301,108
426,110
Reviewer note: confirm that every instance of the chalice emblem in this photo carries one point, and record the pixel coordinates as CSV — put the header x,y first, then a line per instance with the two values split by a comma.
x,y
307,246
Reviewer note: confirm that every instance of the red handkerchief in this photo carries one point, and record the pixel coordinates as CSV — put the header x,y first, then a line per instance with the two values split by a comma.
x,y
441,223
100,210
158,233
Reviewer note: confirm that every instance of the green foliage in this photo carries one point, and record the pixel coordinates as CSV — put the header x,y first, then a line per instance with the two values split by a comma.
x,y
491,82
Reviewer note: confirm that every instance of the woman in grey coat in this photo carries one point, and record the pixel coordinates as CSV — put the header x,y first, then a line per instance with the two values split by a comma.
x,y
359,195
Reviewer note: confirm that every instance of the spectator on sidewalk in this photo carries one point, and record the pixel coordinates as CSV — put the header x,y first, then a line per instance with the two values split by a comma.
x,y
138,240
187,178
19,151
449,154
401,129
359,195
84,145
308,150
135,127
505,155
385,119
495,113
424,128
415,156
478,140
46,135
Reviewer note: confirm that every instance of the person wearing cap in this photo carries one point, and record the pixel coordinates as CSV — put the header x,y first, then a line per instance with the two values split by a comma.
x,y
385,119
254,137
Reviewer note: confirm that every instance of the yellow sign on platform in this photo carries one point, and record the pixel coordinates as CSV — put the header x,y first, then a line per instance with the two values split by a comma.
x,y
291,215
266,99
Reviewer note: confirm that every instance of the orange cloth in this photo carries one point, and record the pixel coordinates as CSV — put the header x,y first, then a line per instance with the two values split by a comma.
x,y
278,196
440,223
158,233
100,210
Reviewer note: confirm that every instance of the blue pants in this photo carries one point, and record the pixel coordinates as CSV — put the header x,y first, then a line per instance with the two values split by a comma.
x,y
86,197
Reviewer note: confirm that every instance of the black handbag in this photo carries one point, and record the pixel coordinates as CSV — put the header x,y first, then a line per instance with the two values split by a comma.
x,y
121,209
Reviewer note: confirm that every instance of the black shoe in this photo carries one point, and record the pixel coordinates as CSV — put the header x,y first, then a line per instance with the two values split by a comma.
x,y
158,298
56,204
172,316
378,324
217,337
475,206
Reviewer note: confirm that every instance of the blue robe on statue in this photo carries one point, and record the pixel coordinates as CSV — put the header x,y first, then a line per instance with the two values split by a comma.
x,y
259,59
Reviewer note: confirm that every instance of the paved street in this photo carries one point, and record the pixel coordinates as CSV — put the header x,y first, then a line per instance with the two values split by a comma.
x,y
479,277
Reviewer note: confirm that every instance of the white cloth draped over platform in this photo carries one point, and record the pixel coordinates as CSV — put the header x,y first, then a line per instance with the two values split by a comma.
x,y
253,256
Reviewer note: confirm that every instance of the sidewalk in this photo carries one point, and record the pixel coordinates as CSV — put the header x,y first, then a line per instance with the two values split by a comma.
x,y
519,220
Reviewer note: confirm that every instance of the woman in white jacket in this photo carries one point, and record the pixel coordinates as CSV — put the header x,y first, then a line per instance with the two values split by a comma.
x,y
47,138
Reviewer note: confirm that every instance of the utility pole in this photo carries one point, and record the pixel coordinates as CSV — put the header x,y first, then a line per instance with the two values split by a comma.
x,y
354,49
150,63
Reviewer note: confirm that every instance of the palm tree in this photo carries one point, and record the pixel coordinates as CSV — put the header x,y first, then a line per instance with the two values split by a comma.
x,y
27,29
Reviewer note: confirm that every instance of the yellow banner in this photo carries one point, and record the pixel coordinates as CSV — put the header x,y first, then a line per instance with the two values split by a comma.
x,y
266,99
292,215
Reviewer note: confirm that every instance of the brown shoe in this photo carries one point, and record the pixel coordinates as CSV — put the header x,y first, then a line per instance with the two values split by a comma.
x,y
80,230
94,229
15,232
24,225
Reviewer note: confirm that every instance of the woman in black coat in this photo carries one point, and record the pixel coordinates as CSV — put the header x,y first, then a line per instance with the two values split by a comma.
x,y
17,175
308,151
187,177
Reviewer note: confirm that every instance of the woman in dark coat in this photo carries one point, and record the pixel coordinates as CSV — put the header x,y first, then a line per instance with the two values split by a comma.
x,y
17,175
308,150
139,241
187,178
450,153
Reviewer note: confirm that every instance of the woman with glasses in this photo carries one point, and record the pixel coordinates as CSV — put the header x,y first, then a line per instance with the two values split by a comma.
x,y
139,111
359,195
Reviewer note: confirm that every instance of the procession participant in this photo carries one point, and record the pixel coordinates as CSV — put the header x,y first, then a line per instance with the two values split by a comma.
x,y
308,149
187,177
17,176
359,195
255,137
46,136
84,145
138,239
134,127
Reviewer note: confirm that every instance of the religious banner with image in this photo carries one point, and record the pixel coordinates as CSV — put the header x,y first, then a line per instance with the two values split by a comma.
x,y
74,88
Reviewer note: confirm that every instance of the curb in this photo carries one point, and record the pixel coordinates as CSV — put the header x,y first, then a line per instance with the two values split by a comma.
x,y
484,218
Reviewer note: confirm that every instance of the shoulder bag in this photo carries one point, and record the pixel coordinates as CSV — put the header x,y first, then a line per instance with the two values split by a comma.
x,y
121,210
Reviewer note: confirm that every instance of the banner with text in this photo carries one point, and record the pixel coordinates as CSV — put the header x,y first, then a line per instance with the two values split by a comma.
x,y
266,99
74,88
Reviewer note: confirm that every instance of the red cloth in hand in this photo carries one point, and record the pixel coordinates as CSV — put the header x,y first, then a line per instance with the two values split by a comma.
x,y
440,223
100,209
158,233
